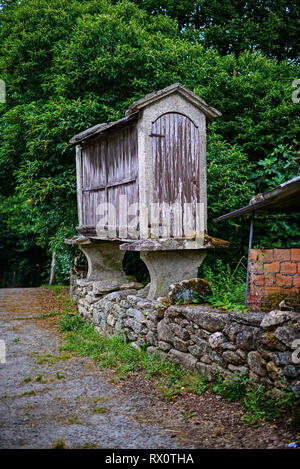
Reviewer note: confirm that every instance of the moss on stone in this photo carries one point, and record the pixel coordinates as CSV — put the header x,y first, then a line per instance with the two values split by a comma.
x,y
271,302
185,291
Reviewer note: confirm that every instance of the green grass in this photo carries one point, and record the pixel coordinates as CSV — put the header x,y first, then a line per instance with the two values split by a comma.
x,y
228,286
28,393
51,314
259,403
100,410
81,338
27,380
55,288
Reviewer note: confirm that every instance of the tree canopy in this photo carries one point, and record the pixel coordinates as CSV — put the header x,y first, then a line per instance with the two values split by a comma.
x,y
71,64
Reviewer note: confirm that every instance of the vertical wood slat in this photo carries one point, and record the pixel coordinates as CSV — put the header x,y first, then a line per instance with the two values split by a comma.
x,y
176,162
107,163
79,183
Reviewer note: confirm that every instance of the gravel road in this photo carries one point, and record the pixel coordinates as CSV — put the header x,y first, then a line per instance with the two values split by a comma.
x,y
45,397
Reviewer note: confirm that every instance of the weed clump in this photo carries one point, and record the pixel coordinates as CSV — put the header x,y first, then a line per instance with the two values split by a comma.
x,y
228,286
59,444
260,404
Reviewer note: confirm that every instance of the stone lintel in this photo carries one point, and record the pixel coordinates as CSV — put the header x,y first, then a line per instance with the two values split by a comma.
x,y
206,242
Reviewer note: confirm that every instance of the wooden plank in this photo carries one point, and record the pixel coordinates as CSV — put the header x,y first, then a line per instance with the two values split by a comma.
x,y
79,182
176,165
110,170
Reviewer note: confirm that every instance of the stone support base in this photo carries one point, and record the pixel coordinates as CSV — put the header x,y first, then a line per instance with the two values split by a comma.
x,y
104,261
168,267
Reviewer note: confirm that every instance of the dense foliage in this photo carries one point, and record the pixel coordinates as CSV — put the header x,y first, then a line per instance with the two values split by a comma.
x,y
232,26
70,64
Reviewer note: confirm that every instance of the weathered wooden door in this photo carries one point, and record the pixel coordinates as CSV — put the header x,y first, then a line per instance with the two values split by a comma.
x,y
109,170
175,149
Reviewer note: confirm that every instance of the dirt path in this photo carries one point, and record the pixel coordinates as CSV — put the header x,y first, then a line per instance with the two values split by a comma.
x,y
59,398
46,395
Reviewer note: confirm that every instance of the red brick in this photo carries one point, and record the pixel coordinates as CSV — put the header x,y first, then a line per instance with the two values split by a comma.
x,y
265,255
296,280
270,290
253,299
288,267
257,267
257,290
253,255
295,254
272,267
282,254
253,303
259,279
269,279
251,289
284,280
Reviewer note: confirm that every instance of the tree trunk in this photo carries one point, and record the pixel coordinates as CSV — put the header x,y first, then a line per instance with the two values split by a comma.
x,y
52,272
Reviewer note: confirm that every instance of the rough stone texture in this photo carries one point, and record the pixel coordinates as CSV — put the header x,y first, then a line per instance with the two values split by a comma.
x,y
251,319
104,260
184,359
210,321
183,292
169,267
199,336
274,319
216,340
256,363
287,335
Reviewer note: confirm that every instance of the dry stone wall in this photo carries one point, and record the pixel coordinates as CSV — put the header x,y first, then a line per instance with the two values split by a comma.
x,y
265,345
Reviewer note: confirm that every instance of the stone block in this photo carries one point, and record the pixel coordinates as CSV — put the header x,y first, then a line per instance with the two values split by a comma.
x,y
287,335
111,320
136,314
232,357
274,372
184,291
206,370
151,338
205,358
186,360
179,331
164,346
203,317
274,319
164,332
181,345
241,335
197,351
216,339
256,363
251,319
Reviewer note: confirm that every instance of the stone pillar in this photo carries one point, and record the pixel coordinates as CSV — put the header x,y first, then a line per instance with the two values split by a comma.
x,y
104,261
167,267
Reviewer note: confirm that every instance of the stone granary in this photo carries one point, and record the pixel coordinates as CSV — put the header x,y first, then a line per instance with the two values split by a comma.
x,y
141,186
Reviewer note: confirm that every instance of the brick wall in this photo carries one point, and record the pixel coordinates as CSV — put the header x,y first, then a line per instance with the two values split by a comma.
x,y
273,271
